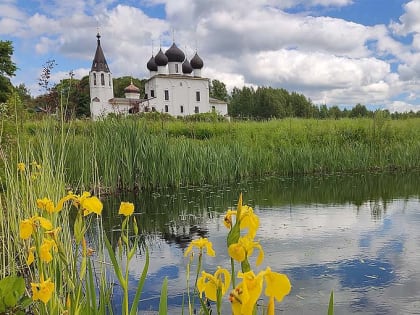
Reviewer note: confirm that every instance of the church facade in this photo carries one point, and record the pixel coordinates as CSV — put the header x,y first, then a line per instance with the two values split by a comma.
x,y
174,86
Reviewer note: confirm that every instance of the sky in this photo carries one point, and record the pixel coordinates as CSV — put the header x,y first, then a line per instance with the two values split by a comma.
x,y
335,52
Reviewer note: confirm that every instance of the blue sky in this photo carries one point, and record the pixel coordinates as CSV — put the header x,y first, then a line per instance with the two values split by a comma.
x,y
336,52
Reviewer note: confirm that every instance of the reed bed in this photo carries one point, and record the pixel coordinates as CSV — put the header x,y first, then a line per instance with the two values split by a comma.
x,y
135,153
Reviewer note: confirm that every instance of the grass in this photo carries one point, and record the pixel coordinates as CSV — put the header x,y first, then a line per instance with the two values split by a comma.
x,y
136,153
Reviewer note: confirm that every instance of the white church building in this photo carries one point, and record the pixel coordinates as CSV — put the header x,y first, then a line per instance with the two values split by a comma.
x,y
175,86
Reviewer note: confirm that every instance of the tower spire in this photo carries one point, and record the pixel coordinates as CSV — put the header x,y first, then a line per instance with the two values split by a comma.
x,y
99,62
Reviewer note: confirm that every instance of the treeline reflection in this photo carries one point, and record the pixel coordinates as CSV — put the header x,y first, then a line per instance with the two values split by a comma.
x,y
179,215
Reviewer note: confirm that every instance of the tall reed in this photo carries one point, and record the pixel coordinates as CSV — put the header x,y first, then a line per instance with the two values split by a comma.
x,y
136,153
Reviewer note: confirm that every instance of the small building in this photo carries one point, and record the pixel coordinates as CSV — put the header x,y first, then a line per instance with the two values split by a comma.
x,y
175,87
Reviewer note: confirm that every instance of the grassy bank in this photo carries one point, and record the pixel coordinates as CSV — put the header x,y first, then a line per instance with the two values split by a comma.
x,y
134,153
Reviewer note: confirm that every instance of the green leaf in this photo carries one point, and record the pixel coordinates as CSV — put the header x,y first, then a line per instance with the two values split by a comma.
x,y
83,268
25,302
78,228
12,288
133,310
331,305
204,306
115,264
245,266
163,303
132,252
234,235
91,287
135,226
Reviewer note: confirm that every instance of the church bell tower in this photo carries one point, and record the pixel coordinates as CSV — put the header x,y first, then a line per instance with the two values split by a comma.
x,y
100,83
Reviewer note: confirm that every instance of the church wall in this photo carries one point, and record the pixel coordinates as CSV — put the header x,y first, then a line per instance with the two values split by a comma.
x,y
101,91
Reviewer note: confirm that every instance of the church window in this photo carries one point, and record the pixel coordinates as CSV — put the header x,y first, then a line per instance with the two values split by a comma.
x,y
166,95
166,108
182,109
94,79
196,110
197,96
176,68
102,79
152,93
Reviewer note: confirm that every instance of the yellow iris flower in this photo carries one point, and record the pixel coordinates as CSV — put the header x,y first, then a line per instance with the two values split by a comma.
x,y
27,226
31,256
46,204
26,229
246,294
87,203
200,244
277,286
210,284
90,204
247,218
42,291
126,209
45,250
244,249
21,167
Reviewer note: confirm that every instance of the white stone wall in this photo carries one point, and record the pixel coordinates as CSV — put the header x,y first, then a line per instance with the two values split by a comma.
x,y
100,94
182,91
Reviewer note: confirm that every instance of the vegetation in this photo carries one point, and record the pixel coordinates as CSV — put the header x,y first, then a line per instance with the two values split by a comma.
x,y
7,69
143,153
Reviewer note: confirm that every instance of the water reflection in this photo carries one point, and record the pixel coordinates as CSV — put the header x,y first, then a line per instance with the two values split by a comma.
x,y
354,234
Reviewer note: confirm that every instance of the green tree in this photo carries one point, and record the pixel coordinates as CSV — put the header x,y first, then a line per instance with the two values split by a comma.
x,y
7,69
242,102
323,111
335,112
359,111
218,90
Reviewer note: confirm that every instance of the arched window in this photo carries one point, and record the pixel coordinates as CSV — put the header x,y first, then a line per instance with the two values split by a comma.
x,y
102,79
94,79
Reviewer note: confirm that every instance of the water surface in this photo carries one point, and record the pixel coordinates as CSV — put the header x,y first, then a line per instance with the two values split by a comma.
x,y
357,235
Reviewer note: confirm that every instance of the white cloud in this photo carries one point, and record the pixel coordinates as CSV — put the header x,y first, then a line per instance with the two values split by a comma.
x,y
409,22
9,10
399,106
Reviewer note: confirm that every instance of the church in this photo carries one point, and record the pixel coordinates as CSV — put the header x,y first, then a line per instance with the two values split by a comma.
x,y
175,86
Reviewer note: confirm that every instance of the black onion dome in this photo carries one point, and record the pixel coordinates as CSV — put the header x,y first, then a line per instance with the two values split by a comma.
x,y
196,62
161,59
131,89
186,67
175,54
151,64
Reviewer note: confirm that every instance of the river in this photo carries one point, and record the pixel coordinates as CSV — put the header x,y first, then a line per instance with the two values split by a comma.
x,y
355,234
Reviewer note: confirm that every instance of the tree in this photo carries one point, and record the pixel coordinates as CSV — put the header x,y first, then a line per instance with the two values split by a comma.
x,y
359,111
24,94
242,102
334,112
218,90
7,69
